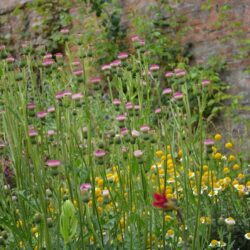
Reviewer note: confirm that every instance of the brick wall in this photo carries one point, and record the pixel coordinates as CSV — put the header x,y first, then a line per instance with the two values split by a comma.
x,y
217,27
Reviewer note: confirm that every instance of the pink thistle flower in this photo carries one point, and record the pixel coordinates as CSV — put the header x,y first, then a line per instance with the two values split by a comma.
x,y
178,95
144,128
31,106
64,31
78,72
105,193
51,109
129,105
10,59
138,153
100,153
2,47
124,131
51,132
154,67
41,114
47,62
116,102
209,142
205,82
158,110
106,67
120,118
77,96
53,163
122,55
85,186
58,55
2,145
47,56
135,38
169,74
135,133
96,80
115,63
137,107
76,62
166,91
32,132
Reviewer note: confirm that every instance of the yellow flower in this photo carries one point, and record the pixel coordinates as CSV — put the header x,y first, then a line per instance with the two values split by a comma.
x,y
236,167
163,158
241,176
34,230
217,137
247,236
100,182
159,153
205,167
170,233
232,158
119,237
19,223
180,153
168,148
98,192
168,218
230,221
214,149
226,170
217,156
214,243
229,145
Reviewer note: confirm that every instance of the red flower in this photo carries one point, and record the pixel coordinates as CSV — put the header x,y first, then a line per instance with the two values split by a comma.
x,y
161,201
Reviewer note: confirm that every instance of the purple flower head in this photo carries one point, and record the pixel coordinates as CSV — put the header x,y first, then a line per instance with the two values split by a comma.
x,y
51,109
135,133
53,163
105,193
135,38
64,31
31,106
144,128
209,142
59,55
32,132
76,62
154,67
100,153
137,107
158,110
124,131
96,80
2,47
178,95
116,102
85,186
78,72
129,105
47,56
169,74
120,118
115,63
77,96
106,67
10,59
51,132
166,91
122,55
48,62
138,153
41,114
205,82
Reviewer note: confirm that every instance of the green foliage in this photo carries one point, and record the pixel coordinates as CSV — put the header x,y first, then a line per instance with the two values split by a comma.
x,y
68,221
